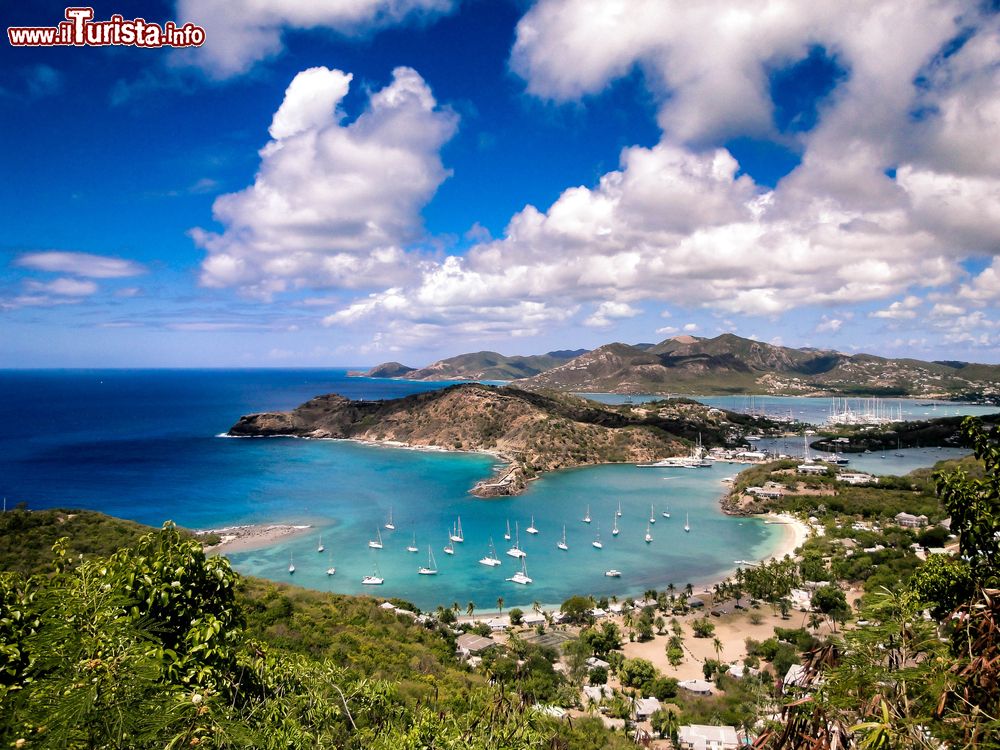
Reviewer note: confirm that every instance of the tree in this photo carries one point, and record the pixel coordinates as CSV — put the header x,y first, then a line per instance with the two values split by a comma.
x,y
500,604
666,723
637,673
576,609
470,608
830,600
717,645
703,628
516,616
598,676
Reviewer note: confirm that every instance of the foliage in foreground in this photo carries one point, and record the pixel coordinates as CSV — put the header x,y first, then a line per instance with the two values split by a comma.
x,y
151,648
905,680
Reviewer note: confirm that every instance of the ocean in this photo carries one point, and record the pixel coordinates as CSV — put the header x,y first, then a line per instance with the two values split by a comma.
x,y
146,445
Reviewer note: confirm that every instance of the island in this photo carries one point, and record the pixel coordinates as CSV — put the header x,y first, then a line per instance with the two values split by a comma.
x,y
531,431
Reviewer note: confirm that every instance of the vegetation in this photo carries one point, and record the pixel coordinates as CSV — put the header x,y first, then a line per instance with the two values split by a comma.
x,y
158,645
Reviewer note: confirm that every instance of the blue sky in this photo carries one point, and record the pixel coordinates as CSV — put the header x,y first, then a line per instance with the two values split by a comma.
x,y
344,183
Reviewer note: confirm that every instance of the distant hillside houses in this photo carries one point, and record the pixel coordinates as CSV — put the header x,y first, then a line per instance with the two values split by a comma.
x,y
705,737
857,477
910,521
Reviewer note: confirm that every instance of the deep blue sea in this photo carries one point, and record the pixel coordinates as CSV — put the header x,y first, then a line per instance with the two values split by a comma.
x,y
145,445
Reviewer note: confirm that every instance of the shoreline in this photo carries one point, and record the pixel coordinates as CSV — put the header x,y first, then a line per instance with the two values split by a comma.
x,y
251,536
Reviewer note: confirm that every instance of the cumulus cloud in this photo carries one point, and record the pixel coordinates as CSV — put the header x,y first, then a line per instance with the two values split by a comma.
x,y
80,264
607,312
333,202
905,309
242,32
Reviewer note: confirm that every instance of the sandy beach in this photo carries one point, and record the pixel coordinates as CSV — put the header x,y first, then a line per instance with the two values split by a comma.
x,y
252,536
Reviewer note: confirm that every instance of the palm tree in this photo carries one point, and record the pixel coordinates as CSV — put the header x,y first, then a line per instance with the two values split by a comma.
x,y
500,604
470,608
537,607
815,620
456,607
689,589
671,588
718,648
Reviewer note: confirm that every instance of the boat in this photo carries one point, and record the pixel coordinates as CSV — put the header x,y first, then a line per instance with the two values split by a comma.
x,y
320,547
652,515
491,559
696,460
522,575
431,568
374,579
331,570
649,534
614,527
456,533
619,511
516,550
613,573
377,542
507,535
597,539
586,516
561,544
413,544
666,514
291,565
449,548
531,529
389,524
687,523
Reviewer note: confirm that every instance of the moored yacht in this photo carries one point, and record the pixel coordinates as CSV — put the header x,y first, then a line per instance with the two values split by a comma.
x,y
561,544
522,575
491,558
376,543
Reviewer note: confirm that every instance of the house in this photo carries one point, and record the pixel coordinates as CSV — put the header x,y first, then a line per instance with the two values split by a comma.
x,y
598,613
909,521
739,670
801,600
499,623
646,707
704,737
531,619
698,687
796,677
470,644
594,663
812,468
771,490
387,605
857,477
597,693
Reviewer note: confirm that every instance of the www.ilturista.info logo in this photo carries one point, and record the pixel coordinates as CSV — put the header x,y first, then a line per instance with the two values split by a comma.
x,y
81,30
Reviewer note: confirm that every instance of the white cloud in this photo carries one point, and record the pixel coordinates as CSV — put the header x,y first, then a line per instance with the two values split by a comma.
x,y
241,32
667,330
64,287
829,325
905,309
607,312
332,203
80,264
944,310
690,327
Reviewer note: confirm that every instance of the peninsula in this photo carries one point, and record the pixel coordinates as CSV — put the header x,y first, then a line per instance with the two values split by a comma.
x,y
532,431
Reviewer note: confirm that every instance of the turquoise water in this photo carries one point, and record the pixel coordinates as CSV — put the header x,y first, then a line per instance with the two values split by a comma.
x,y
428,492
143,445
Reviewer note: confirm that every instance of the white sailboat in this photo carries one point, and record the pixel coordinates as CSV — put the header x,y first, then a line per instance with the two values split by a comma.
x,y
491,559
666,513
376,543
652,515
586,516
291,565
389,524
619,511
522,575
320,547
531,529
561,544
507,535
456,532
413,544
516,550
614,527
431,568
375,579
613,573
649,534
449,548
687,525
597,539
331,570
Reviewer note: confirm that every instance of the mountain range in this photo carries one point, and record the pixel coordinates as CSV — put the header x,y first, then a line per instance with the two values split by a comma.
x,y
725,364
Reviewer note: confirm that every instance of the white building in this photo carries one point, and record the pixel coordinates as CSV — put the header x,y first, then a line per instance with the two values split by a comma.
x,y
646,707
704,737
910,521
